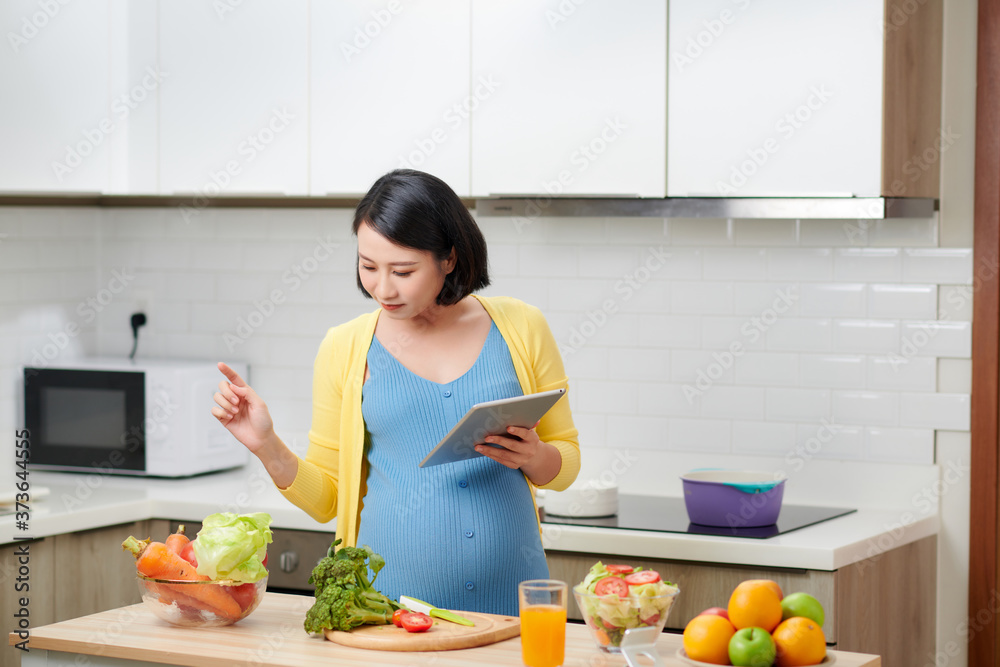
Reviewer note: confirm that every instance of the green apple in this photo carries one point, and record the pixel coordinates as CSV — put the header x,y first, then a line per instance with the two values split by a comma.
x,y
752,647
802,604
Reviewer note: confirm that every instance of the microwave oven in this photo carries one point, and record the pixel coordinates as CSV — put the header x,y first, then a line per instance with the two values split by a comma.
x,y
150,417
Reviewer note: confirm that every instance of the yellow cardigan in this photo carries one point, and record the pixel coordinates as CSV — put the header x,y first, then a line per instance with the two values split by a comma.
x,y
335,459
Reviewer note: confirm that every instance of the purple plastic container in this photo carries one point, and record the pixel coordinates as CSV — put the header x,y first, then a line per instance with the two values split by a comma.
x,y
732,499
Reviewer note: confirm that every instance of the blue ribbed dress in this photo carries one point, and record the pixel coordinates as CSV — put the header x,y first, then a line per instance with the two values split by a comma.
x,y
459,535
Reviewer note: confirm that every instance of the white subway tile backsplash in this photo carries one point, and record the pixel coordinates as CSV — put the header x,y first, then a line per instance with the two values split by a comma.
x,y
38,287
548,261
632,364
949,412
529,290
899,445
866,408
799,264
231,287
503,260
767,369
251,224
581,230
954,376
767,298
832,233
669,400
938,339
180,255
681,264
699,232
606,397
669,331
637,432
695,298
719,333
867,264
629,296
19,255
763,438
937,265
826,439
871,336
766,233
798,334
797,404
894,372
902,301
832,300
955,302
588,362
903,232
701,435
575,295
609,261
635,231
734,264
730,402
702,366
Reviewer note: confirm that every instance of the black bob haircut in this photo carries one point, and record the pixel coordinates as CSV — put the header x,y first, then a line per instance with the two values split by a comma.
x,y
416,210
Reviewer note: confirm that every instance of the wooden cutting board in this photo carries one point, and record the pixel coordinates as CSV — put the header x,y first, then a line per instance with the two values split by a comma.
x,y
442,636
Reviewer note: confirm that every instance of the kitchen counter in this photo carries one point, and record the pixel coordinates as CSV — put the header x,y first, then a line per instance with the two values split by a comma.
x,y
85,501
273,636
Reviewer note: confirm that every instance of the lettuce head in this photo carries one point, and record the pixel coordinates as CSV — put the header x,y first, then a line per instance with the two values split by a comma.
x,y
233,546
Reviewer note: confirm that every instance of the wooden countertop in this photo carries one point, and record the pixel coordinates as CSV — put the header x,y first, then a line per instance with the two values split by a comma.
x,y
273,636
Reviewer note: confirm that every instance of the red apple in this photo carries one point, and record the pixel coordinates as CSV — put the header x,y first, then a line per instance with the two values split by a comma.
x,y
718,611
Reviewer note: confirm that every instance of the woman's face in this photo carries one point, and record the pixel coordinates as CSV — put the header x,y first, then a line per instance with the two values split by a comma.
x,y
405,281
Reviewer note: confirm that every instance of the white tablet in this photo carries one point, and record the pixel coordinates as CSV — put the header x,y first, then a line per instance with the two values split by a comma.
x,y
490,418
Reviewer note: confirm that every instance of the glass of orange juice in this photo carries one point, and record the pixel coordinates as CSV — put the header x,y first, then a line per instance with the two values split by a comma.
x,y
542,603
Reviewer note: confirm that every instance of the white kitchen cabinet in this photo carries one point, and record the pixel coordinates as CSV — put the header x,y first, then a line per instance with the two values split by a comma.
x,y
576,99
234,104
789,98
56,121
389,89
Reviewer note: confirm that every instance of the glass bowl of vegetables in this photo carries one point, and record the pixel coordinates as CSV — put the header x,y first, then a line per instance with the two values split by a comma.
x,y
201,604
616,598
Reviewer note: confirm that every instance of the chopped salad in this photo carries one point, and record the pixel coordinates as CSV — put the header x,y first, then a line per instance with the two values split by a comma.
x,y
621,598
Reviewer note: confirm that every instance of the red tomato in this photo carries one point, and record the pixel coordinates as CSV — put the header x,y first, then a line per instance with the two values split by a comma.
x,y
243,594
644,577
619,569
187,553
415,621
263,562
397,615
614,585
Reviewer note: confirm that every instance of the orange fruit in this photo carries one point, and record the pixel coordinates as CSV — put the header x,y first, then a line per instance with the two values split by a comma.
x,y
773,585
800,641
755,604
706,639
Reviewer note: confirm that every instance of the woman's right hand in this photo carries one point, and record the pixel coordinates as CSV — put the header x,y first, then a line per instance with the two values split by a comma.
x,y
242,411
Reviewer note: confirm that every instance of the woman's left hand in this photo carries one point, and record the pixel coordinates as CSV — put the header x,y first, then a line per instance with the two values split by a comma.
x,y
524,451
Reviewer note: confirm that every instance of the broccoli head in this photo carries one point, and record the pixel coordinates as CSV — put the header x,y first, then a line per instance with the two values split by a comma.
x,y
345,597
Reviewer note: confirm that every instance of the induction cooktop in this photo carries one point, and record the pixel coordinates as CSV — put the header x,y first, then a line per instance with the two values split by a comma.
x,y
668,515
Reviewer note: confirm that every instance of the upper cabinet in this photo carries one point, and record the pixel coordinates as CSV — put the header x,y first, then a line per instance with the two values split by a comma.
x,y
687,98
389,88
570,98
234,113
788,98
57,125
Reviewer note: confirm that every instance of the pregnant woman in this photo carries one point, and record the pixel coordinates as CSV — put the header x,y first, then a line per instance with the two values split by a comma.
x,y
388,385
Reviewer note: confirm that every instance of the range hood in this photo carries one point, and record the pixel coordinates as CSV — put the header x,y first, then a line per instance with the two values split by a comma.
x,y
815,208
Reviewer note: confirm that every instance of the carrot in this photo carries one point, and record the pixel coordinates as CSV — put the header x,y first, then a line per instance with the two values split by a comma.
x,y
156,561
177,541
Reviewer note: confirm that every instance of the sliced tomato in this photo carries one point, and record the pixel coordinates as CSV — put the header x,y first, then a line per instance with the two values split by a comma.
x,y
612,584
415,621
619,569
397,617
643,577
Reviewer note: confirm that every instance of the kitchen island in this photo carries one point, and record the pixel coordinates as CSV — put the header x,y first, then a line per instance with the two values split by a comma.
x,y
273,636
